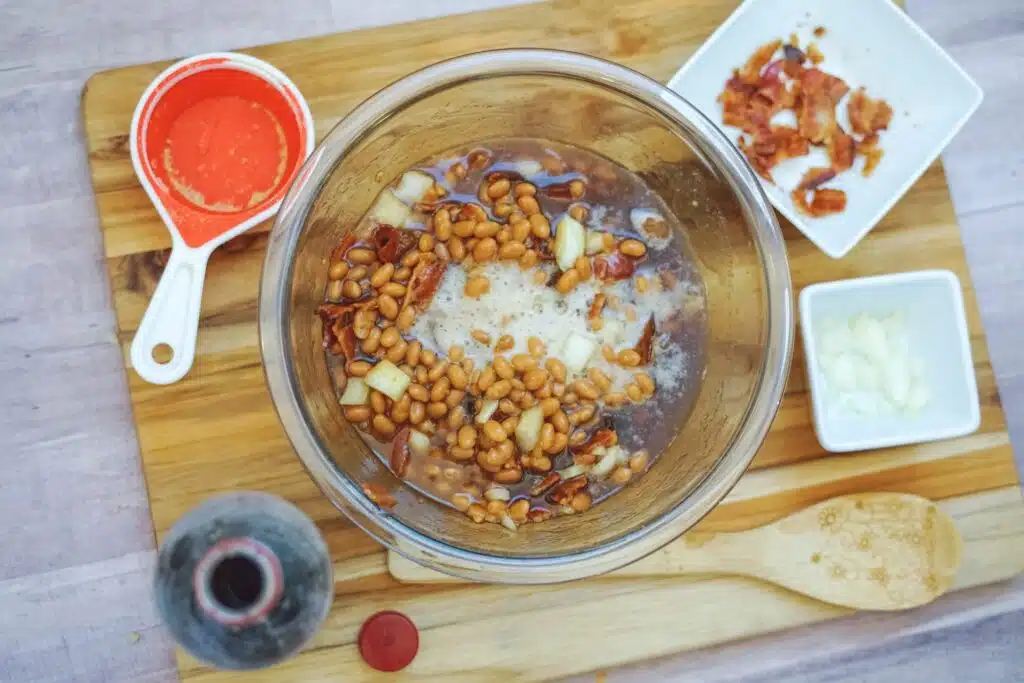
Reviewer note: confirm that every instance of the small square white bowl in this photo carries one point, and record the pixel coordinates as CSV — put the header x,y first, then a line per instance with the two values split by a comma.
x,y
936,329
870,43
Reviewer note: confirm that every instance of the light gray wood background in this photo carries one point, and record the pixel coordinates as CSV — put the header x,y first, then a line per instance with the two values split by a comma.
x,y
75,538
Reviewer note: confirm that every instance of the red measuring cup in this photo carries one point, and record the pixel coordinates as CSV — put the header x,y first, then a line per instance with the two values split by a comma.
x,y
215,140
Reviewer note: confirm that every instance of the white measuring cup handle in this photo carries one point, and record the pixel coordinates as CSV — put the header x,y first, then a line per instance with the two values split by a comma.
x,y
172,318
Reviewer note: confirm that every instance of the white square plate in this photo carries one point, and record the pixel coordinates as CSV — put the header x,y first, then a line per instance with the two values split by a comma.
x,y
869,43
932,306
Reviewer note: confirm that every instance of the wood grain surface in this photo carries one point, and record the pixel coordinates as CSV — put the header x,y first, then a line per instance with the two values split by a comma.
x,y
76,545
216,430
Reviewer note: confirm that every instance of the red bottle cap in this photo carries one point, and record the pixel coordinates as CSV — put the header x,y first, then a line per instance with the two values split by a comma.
x,y
388,641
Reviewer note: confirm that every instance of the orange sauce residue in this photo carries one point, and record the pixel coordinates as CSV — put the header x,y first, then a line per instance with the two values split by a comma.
x,y
225,154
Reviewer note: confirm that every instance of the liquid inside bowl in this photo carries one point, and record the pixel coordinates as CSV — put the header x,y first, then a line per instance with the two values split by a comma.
x,y
735,247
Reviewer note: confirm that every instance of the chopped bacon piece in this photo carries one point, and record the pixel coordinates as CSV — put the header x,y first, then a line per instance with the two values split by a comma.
x,y
645,346
751,71
814,54
400,456
765,152
614,266
820,92
379,495
824,201
867,116
841,150
339,337
603,436
392,244
816,177
872,153
426,278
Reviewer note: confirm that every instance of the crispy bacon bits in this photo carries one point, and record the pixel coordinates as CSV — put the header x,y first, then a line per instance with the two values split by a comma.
x,y
766,86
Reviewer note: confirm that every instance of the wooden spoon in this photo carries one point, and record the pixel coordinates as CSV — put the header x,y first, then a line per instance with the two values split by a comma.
x,y
869,551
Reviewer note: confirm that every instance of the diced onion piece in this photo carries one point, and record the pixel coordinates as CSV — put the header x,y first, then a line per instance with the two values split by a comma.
x,y
595,242
577,352
528,428
604,466
570,241
412,186
870,337
356,393
487,408
497,493
572,471
389,210
419,443
386,378
620,454
508,522
528,167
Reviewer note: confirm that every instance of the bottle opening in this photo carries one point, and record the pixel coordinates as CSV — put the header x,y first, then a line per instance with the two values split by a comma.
x,y
237,582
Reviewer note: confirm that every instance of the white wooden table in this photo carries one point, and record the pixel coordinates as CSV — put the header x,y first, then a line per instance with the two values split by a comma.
x,y
76,546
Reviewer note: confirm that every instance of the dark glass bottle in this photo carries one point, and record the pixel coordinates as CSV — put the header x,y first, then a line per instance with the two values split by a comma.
x,y
243,580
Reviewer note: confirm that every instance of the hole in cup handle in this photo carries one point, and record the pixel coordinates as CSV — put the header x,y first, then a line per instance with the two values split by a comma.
x,y
171,320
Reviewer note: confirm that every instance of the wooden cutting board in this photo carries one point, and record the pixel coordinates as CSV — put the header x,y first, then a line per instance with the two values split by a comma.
x,y
216,430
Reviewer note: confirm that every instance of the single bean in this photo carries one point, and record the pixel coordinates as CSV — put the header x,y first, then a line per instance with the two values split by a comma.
x,y
486,379
388,306
499,389
536,347
567,281
361,256
505,343
454,398
437,410
540,226
635,394
621,475
535,379
440,390
412,356
467,436
628,357
586,389
435,373
382,275
417,412
528,204
335,290
634,248
383,425
358,368
549,407
350,289
397,352
486,229
511,251
503,368
561,422
355,414
337,270
485,249
456,417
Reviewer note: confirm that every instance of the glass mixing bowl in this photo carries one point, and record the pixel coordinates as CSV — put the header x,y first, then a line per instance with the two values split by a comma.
x,y
634,121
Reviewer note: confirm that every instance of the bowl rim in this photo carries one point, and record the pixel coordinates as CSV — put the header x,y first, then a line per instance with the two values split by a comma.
x,y
274,315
